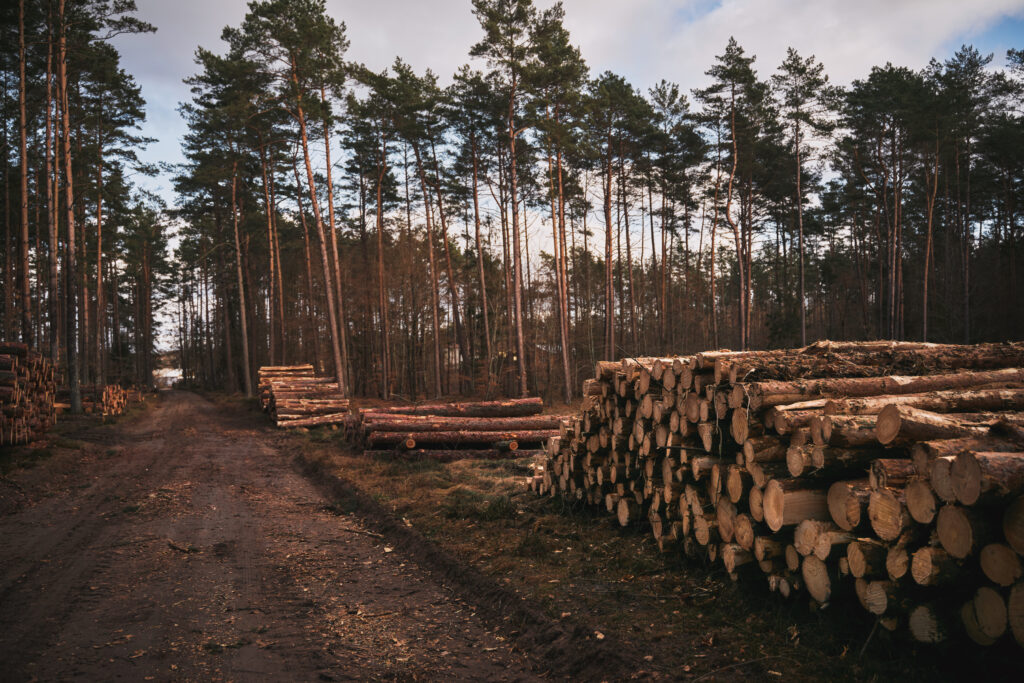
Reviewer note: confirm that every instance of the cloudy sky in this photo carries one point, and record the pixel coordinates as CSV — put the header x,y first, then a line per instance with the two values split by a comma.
x,y
644,40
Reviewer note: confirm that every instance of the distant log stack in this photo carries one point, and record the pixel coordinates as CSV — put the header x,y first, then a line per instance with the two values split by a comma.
x,y
26,394
453,431
893,468
295,397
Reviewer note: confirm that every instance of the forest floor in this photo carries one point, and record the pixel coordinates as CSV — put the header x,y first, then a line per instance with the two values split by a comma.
x,y
191,541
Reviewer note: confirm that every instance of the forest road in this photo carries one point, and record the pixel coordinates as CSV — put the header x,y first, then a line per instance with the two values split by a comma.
x,y
184,546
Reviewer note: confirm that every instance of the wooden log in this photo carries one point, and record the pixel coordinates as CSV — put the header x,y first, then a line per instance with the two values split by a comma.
x,y
846,431
762,449
765,394
921,503
880,595
445,424
924,452
833,462
985,616
987,477
890,472
1001,564
449,455
887,513
902,425
932,566
930,623
848,502
816,578
959,401
789,502
962,531
1015,613
1013,524
866,558
513,407
375,439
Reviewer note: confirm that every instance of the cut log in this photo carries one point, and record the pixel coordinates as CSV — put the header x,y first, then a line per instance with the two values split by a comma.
x,y
846,431
887,513
930,623
902,425
921,503
788,502
987,477
1015,613
890,472
938,401
962,531
931,566
985,616
375,439
866,558
848,502
1000,564
513,407
450,455
816,578
1013,525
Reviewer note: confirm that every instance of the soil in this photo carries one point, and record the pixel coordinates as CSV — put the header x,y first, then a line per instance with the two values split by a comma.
x,y
184,545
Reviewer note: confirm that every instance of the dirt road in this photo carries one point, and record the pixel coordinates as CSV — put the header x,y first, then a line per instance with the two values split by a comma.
x,y
185,546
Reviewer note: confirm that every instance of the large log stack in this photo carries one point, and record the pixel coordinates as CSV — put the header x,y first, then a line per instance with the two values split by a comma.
x,y
891,472
26,394
295,397
454,431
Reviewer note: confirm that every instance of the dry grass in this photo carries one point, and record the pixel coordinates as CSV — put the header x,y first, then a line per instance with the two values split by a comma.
x,y
686,619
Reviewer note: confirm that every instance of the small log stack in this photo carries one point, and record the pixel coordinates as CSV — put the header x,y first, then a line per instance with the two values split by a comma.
x,y
26,394
453,431
295,397
888,472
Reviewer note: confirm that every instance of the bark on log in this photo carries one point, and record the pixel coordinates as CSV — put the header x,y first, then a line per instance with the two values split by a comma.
x,y
375,439
513,407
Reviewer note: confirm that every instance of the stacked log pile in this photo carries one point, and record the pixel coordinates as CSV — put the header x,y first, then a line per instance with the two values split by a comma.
x,y
26,394
891,473
454,431
295,397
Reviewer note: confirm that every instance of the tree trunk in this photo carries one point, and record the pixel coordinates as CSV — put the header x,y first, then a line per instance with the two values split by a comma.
x,y
342,330
247,383
70,260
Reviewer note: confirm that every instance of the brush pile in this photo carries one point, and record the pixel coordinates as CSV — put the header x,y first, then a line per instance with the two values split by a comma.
x,y
886,473
295,397
455,431
26,394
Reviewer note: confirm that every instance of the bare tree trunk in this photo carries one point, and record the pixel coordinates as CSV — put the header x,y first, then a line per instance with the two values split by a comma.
x,y
241,281
98,342
800,232
69,263
328,286
480,262
51,200
609,289
342,331
435,303
317,355
735,229
559,287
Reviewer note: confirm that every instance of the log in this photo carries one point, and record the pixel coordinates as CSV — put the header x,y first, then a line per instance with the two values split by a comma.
x,y
985,616
847,502
890,472
959,401
887,513
1013,524
847,431
921,503
924,452
867,558
1000,564
788,502
318,420
1015,613
816,578
987,477
931,566
902,425
513,407
375,439
930,623
962,531
392,423
761,449
763,394
449,455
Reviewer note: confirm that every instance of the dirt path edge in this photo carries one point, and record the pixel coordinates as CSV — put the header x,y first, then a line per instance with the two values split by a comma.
x,y
565,648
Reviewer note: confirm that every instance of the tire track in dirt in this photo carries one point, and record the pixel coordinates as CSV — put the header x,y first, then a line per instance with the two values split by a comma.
x,y
226,563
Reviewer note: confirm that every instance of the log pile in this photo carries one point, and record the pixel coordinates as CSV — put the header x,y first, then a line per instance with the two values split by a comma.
x,y
890,474
454,431
108,400
295,397
26,394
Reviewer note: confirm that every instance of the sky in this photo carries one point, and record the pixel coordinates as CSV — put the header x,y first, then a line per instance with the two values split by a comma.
x,y
643,40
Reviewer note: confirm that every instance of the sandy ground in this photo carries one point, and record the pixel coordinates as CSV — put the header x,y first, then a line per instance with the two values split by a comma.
x,y
184,546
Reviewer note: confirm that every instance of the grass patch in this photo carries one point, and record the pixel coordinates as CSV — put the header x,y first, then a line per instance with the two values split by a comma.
x,y
464,503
